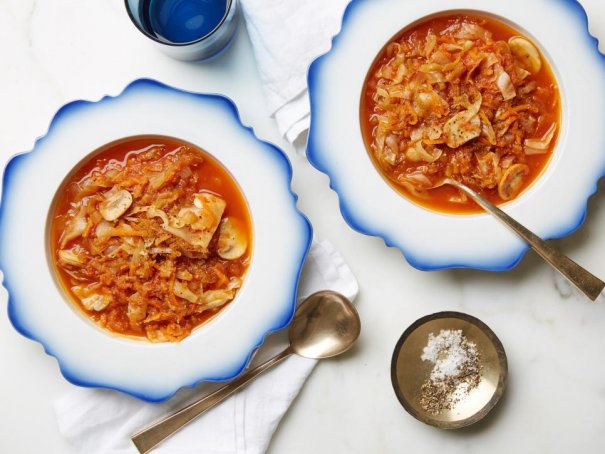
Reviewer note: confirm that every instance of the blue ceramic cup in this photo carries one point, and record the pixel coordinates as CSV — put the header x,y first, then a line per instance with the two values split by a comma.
x,y
186,29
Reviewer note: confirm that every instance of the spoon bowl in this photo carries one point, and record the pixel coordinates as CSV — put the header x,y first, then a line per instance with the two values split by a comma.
x,y
326,324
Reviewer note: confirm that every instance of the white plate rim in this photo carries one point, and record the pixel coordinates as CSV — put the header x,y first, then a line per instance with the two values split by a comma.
x,y
498,248
293,257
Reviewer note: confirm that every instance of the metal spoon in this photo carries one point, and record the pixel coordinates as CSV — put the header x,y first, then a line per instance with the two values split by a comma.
x,y
326,324
582,279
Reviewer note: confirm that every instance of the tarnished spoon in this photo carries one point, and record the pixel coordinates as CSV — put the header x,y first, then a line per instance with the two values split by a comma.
x,y
581,278
326,324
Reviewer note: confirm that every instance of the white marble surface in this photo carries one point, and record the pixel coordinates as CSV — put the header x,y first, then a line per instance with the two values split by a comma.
x,y
57,51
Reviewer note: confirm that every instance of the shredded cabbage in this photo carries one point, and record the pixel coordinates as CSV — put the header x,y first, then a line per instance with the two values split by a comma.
x,y
443,100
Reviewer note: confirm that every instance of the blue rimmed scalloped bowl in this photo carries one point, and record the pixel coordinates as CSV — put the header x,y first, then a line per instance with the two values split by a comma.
x,y
216,351
553,206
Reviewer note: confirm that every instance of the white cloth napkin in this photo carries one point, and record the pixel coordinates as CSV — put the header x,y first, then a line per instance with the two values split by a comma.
x,y
287,35
99,421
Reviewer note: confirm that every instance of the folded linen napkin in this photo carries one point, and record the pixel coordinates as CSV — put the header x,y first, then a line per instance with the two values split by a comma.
x,y
286,37
97,421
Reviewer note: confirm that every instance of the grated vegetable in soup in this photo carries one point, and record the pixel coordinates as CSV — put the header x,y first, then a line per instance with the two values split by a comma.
x,y
462,97
151,238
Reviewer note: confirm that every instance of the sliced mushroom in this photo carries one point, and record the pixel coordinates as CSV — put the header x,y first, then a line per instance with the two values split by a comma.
x,y
512,181
526,52
232,240
116,202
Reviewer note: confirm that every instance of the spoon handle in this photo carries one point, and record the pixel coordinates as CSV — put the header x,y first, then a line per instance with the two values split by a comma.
x,y
151,436
581,278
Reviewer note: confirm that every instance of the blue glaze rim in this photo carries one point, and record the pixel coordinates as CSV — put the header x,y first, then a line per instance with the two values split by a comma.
x,y
356,221
283,319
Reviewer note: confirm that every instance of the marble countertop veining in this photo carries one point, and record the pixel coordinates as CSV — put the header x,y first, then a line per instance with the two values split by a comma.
x,y
55,52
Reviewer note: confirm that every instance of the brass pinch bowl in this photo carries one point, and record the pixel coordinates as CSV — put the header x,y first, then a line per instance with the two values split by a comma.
x,y
409,371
